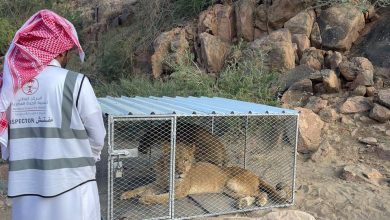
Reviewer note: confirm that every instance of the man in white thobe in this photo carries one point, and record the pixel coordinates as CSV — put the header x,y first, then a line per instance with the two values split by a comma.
x,y
54,138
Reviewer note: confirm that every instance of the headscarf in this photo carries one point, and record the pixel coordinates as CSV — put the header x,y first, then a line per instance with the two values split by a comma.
x,y
41,39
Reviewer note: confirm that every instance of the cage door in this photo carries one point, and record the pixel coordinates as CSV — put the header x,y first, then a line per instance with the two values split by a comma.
x,y
140,165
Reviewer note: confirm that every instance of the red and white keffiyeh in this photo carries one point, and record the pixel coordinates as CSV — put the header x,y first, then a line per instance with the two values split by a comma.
x,y
41,39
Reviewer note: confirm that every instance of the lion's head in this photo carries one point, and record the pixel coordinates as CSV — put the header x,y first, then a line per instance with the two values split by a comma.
x,y
185,156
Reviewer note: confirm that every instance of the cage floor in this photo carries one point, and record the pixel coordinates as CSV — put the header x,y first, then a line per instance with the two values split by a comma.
x,y
194,205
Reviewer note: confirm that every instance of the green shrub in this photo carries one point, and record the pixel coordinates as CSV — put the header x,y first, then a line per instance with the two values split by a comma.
x,y
189,8
7,32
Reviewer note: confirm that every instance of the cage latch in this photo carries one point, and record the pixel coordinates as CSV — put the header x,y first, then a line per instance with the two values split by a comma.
x,y
125,153
118,167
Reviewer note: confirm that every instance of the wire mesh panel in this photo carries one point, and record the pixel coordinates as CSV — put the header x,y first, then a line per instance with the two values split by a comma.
x,y
192,166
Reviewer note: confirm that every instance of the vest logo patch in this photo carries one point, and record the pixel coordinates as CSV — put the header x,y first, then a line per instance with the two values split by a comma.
x,y
31,87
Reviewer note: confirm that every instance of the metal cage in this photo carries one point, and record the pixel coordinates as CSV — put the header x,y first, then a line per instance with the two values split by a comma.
x,y
180,158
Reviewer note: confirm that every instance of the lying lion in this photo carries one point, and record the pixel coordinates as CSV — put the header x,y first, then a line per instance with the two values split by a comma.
x,y
208,147
202,177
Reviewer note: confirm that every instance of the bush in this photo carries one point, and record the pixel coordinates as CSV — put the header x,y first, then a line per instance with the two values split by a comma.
x,y
189,8
7,32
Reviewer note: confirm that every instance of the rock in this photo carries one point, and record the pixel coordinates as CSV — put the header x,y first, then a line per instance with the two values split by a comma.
x,y
384,97
218,20
319,88
279,49
214,52
324,152
359,70
313,58
261,17
328,114
171,45
380,113
304,85
369,140
297,74
360,91
245,19
383,150
347,120
387,132
310,127
333,59
378,83
294,98
316,104
142,61
331,81
370,91
302,23
340,26
302,42
287,215
315,36
360,172
298,94
225,22
282,10
260,33
356,104
376,44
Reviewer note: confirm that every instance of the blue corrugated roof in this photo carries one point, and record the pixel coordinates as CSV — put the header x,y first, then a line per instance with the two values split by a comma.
x,y
183,106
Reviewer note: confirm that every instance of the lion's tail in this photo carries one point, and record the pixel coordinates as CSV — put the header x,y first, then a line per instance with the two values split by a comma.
x,y
272,192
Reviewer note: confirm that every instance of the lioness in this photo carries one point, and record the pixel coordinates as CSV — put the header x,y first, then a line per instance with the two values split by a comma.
x,y
208,147
202,177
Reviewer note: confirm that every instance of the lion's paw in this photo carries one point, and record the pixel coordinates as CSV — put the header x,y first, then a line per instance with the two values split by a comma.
x,y
128,195
245,202
262,200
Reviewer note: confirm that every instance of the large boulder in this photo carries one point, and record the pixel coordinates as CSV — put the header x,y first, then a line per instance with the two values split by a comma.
x,y
261,17
299,73
302,42
282,10
313,57
376,44
213,52
359,70
384,97
169,46
340,26
245,18
356,104
278,48
302,23
310,127
218,20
